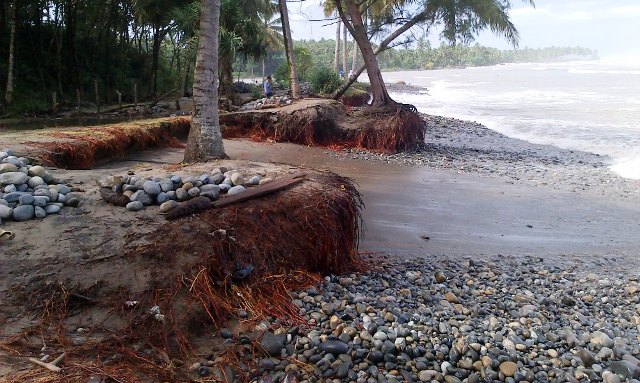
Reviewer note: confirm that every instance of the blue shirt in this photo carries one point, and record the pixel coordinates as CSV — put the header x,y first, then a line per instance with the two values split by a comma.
x,y
268,88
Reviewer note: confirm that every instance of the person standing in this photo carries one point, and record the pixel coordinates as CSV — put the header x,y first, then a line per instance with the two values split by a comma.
x,y
268,87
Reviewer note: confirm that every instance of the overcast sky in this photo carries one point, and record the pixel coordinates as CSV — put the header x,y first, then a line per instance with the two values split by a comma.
x,y
610,26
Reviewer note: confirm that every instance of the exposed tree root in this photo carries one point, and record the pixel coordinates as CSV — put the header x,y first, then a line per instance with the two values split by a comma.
x,y
325,123
81,148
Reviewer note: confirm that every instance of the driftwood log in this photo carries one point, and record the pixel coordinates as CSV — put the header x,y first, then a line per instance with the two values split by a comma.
x,y
201,203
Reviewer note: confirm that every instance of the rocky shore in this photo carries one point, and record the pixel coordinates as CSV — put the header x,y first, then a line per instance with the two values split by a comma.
x,y
470,147
495,319
443,320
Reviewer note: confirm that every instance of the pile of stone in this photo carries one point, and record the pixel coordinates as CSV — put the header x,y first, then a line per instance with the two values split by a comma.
x,y
30,191
169,191
267,103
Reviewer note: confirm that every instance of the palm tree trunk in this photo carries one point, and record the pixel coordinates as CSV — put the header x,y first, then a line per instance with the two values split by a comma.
x,y
8,96
205,138
336,54
383,45
344,50
288,43
354,61
379,93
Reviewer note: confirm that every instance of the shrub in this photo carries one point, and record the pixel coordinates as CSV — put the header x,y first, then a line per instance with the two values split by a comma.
x,y
324,80
282,75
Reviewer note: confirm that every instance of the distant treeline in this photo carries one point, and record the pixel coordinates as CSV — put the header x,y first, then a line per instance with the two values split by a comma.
x,y
422,56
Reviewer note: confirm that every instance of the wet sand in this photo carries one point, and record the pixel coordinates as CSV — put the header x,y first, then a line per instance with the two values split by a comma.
x,y
462,214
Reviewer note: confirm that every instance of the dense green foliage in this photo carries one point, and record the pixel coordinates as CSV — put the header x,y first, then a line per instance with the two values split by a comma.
x,y
423,56
324,80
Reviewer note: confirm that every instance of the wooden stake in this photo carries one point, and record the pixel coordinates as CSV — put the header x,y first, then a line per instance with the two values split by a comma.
x,y
78,98
119,98
135,94
55,103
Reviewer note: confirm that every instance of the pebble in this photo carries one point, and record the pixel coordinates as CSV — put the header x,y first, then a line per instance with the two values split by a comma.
x,y
167,206
142,197
40,212
15,178
135,206
237,179
405,330
152,188
23,213
236,190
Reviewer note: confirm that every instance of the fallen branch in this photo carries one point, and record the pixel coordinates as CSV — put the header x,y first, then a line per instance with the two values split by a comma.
x,y
51,366
259,191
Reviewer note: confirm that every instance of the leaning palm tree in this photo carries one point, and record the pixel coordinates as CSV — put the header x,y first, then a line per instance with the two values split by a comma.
x,y
205,138
462,19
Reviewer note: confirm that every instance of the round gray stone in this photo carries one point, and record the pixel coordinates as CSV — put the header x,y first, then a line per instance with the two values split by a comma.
x,y
152,188
236,190
5,211
7,168
142,196
181,194
194,192
35,181
37,171
162,198
52,209
216,178
41,201
210,188
40,212
53,195
63,189
23,213
26,199
166,185
16,178
255,180
10,188
135,206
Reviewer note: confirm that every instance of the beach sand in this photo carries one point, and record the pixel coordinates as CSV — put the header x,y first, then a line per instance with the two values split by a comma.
x,y
469,193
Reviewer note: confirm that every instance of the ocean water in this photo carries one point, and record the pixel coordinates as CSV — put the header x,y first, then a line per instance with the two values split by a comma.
x,y
592,106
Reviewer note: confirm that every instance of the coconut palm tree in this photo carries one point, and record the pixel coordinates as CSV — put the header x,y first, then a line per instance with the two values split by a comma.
x,y
462,19
288,44
205,138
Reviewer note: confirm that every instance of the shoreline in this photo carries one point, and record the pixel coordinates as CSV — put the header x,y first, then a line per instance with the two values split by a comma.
x,y
470,147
